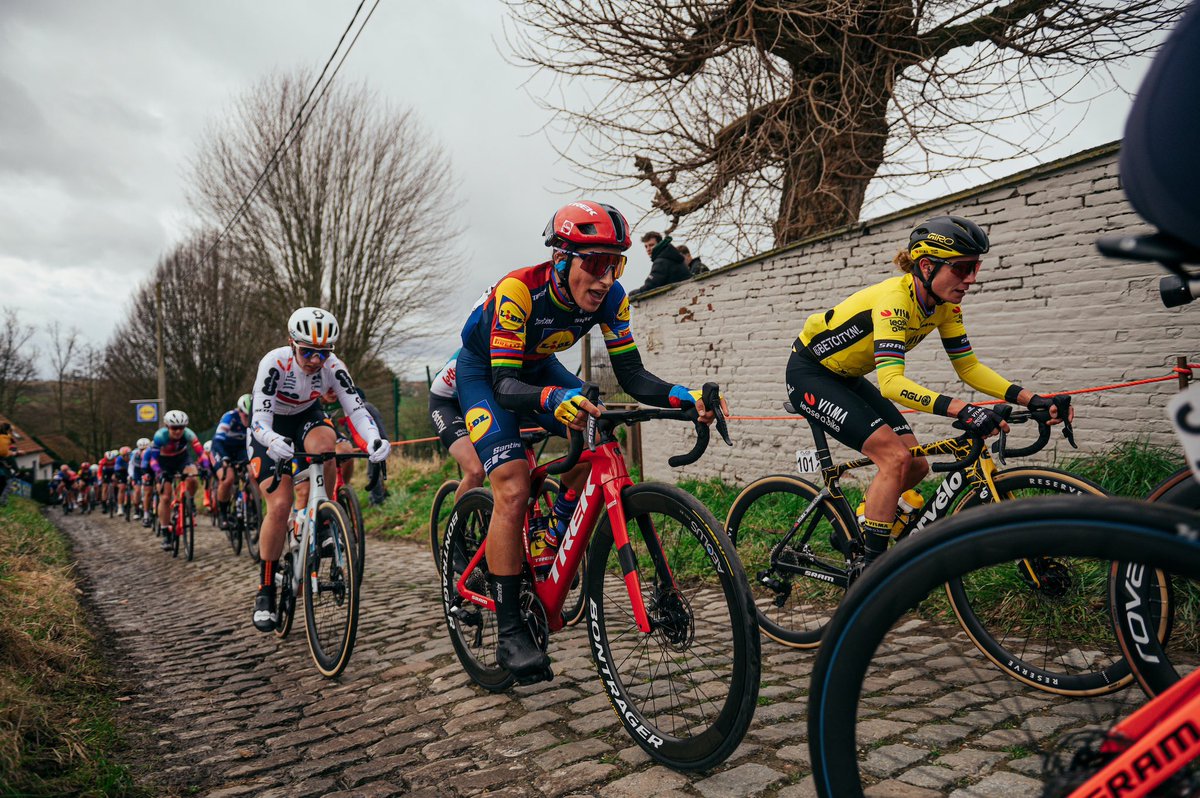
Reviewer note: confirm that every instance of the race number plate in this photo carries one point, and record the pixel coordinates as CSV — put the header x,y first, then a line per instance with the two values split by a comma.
x,y
807,462
1184,412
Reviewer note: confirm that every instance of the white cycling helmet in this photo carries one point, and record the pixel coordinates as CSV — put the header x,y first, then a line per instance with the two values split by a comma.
x,y
208,446
95,469
314,327
143,443
175,418
244,403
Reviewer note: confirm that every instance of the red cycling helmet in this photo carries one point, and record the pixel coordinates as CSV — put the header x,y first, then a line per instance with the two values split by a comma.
x,y
587,223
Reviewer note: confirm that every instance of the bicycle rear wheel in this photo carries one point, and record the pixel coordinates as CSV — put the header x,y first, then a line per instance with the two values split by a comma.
x,y
348,498
331,591
875,658
439,515
1043,621
686,692
791,607
472,628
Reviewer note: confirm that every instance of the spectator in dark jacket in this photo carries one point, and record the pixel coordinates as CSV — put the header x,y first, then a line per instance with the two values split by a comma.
x,y
695,265
666,264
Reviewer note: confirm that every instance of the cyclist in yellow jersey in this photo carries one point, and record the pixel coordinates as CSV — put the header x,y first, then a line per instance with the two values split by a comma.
x,y
872,330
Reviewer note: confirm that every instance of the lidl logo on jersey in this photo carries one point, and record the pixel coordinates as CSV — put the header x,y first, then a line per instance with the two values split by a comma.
x,y
479,421
556,341
623,309
510,315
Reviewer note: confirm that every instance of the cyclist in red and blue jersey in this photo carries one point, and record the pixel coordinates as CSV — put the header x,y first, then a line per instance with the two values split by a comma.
x,y
228,449
175,449
507,370
145,481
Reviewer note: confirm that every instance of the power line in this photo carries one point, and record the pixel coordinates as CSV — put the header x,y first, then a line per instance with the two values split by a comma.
x,y
298,123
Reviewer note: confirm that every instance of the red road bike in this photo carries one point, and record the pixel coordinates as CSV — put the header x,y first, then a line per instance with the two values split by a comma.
x,y
670,618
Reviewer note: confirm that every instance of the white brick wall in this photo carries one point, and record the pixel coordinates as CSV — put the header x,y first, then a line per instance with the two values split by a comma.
x,y
1050,313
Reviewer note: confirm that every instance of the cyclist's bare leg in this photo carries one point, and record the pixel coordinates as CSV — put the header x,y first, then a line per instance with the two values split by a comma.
x,y
274,523
192,483
472,469
224,483
510,490
164,503
898,471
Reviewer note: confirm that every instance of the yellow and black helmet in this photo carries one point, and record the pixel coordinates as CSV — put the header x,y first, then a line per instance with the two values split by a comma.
x,y
947,237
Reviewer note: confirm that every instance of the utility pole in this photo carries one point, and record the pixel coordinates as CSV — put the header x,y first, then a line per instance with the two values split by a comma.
x,y
158,335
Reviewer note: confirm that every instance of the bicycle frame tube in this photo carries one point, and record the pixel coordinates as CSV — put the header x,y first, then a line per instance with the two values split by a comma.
x,y
602,491
1152,744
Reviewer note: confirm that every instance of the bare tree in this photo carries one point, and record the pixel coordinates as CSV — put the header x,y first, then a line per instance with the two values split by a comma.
x,y
352,220
213,334
755,115
64,348
18,360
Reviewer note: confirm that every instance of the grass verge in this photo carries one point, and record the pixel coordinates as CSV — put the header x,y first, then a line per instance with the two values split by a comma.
x,y
58,728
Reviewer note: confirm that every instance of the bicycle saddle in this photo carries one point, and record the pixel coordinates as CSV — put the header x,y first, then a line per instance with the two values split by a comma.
x,y
1158,247
789,407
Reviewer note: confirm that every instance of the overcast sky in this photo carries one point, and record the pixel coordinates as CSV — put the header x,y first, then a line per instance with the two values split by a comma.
x,y
102,104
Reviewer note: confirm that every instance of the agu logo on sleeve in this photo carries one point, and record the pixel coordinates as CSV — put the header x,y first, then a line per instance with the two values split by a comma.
x,y
479,421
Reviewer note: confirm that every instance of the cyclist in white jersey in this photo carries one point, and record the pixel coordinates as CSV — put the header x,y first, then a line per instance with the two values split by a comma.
x,y
288,419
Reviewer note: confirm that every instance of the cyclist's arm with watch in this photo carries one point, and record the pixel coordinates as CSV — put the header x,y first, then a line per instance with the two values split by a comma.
x,y
355,409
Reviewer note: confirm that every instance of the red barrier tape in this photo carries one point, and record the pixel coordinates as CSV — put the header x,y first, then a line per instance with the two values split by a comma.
x,y
1174,375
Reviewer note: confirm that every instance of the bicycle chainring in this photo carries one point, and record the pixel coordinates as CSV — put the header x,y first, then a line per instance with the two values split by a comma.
x,y
534,613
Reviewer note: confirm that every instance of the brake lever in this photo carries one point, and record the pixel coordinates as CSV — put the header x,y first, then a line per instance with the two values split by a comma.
x,y
710,394
1063,405
998,446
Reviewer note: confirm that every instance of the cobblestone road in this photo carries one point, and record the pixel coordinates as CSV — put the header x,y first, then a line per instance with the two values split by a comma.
x,y
235,712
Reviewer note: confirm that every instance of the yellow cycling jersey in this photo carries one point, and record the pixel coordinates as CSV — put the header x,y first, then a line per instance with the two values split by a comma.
x,y
874,329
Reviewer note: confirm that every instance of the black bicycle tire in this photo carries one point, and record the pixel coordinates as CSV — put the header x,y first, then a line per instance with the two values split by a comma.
x,y
474,506
348,498
1109,679
1147,654
286,605
332,663
722,737
1098,528
189,527
252,528
764,486
444,490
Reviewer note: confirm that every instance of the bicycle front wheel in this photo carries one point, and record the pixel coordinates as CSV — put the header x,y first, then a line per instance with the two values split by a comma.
x,y
874,658
794,589
439,515
331,591
686,692
1043,621
472,628
189,527
348,498
253,519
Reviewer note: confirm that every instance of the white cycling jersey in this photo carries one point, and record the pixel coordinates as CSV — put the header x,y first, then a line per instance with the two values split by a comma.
x,y
445,384
282,388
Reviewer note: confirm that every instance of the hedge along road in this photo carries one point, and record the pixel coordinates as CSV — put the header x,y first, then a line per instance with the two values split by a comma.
x,y
236,712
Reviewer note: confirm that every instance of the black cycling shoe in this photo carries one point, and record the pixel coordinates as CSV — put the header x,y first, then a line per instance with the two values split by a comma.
x,y
265,616
518,654
166,540
147,520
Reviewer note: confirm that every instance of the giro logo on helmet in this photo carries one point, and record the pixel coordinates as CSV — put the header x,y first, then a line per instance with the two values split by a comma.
x,y
941,239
